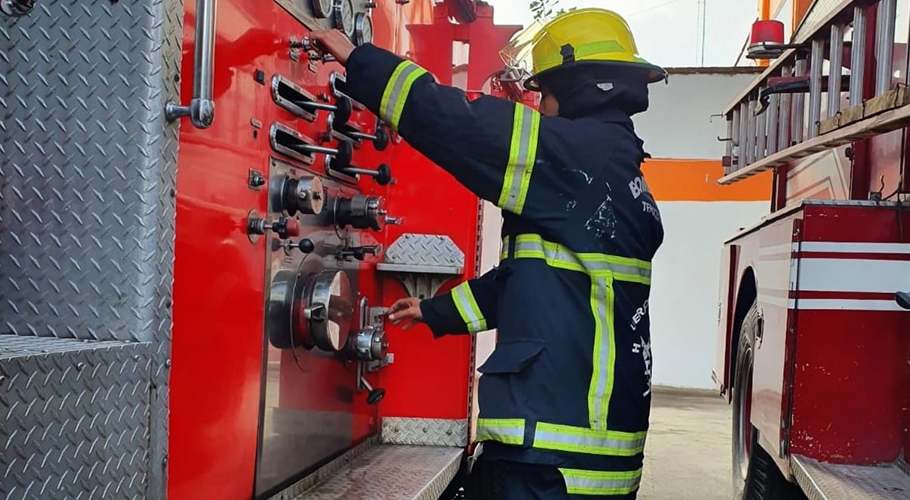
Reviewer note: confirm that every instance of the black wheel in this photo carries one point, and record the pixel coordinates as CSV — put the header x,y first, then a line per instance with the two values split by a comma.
x,y
755,475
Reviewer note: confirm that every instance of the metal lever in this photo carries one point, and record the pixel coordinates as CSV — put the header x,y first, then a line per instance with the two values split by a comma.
x,y
341,110
307,45
343,154
284,226
380,139
202,108
382,175
305,245
359,253
17,8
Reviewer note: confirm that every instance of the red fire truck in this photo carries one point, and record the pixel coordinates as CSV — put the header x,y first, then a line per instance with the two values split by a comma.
x,y
199,231
814,344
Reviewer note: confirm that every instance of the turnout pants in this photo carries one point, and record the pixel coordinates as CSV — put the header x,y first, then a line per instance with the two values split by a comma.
x,y
494,479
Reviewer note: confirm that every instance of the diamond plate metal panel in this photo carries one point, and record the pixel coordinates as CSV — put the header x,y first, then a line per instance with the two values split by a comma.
x,y
74,419
392,473
424,431
87,179
423,253
822,481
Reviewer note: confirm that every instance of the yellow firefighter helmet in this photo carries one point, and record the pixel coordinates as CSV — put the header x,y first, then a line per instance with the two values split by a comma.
x,y
583,36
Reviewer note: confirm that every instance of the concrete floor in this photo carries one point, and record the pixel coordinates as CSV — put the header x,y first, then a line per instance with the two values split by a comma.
x,y
687,456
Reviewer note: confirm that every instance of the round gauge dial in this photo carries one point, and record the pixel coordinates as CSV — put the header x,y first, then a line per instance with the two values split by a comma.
x,y
344,16
323,8
363,29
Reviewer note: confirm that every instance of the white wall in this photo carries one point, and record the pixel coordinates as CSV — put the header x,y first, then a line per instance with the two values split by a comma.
x,y
678,123
684,287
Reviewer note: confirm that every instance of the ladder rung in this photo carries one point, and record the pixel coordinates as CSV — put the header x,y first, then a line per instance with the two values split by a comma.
x,y
884,122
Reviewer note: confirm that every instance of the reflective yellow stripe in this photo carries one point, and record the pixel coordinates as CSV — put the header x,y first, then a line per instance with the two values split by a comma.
x,y
503,430
589,441
522,155
396,92
532,246
604,355
468,308
588,482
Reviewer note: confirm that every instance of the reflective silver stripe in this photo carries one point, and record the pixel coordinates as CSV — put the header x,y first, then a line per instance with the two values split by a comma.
x,y
583,482
589,441
507,431
522,155
396,92
468,308
622,268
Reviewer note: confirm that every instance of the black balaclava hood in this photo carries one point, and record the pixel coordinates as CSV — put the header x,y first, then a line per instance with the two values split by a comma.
x,y
584,90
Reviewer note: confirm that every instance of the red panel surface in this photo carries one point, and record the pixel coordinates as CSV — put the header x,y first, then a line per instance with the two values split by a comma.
x,y
851,379
216,378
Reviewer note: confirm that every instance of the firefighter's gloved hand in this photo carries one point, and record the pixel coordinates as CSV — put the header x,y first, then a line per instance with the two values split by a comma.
x,y
406,309
333,42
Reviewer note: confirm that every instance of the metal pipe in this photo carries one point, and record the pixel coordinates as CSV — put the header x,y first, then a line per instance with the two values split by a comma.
x,y
815,86
761,134
836,69
773,124
783,136
749,118
799,106
858,56
884,45
202,107
736,150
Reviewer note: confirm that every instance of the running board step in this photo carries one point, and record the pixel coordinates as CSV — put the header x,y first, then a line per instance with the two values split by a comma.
x,y
822,481
391,472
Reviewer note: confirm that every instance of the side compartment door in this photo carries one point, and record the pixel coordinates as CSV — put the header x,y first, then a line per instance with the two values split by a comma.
x,y
726,304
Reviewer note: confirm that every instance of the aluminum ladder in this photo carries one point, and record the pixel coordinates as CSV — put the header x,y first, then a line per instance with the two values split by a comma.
x,y
771,124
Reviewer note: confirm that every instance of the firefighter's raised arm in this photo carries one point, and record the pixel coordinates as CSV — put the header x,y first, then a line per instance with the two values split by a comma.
x,y
489,145
468,308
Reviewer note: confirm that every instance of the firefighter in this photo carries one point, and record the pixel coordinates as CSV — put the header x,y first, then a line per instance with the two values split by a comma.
x,y
565,397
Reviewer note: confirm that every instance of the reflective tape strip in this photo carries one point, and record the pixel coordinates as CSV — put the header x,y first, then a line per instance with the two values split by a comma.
x,y
503,430
468,308
396,92
589,441
522,155
587,482
532,246
604,355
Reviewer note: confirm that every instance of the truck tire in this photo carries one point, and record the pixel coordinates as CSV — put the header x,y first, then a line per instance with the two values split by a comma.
x,y
755,475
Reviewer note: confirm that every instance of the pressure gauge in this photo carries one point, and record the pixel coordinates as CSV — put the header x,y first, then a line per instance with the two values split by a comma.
x,y
323,8
343,11
363,28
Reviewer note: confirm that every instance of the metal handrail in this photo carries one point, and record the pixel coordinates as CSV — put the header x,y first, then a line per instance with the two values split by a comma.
x,y
202,107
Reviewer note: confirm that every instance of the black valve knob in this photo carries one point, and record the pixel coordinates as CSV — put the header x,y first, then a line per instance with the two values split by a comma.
x,y
380,139
359,253
305,245
382,175
343,154
375,396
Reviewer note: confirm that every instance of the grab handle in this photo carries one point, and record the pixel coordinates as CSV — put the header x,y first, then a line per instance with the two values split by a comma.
x,y
202,108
